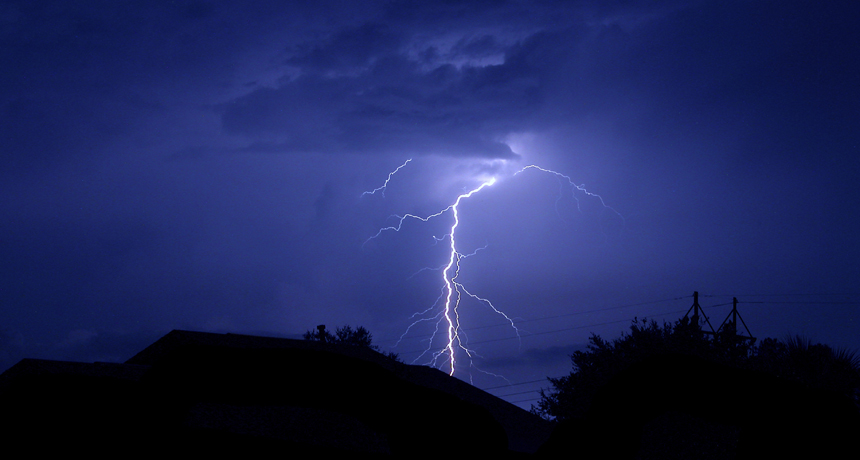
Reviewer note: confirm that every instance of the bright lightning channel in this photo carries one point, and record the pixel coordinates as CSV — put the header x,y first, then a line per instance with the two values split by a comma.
x,y
385,184
450,310
574,185
453,291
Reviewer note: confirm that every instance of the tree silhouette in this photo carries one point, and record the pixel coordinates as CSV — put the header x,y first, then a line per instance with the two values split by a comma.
x,y
571,395
815,365
798,359
346,335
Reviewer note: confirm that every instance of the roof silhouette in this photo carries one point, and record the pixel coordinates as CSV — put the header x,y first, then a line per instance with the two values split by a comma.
x,y
230,392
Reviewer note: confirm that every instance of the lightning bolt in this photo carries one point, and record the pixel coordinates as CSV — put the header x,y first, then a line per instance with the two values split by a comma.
x,y
573,185
385,184
450,271
453,291
452,287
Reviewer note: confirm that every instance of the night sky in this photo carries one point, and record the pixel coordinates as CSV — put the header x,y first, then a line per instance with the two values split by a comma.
x,y
200,165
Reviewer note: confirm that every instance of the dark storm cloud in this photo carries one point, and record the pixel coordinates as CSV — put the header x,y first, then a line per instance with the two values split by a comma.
x,y
403,87
80,77
69,86
32,134
349,50
477,47
386,103
377,89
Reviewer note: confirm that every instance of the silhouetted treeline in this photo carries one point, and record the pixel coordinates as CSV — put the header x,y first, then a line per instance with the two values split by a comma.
x,y
815,365
346,335
672,391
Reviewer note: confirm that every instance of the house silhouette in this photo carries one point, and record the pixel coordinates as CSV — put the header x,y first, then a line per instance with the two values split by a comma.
x,y
207,393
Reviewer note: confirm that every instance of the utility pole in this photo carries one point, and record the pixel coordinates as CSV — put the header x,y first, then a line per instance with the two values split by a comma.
x,y
731,324
695,318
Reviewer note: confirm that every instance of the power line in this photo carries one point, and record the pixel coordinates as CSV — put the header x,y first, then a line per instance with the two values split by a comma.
x,y
596,310
514,384
518,393
661,314
571,328
808,303
599,310
533,334
783,295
